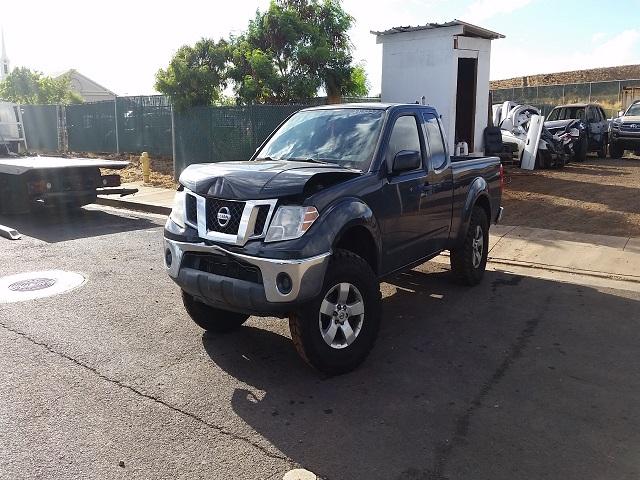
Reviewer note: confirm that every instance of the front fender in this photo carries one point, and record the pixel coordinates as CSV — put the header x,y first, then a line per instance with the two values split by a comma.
x,y
344,215
479,188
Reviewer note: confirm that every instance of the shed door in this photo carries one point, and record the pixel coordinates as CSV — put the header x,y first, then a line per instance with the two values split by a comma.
x,y
466,101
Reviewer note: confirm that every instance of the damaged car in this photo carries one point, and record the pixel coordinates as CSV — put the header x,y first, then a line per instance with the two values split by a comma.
x,y
589,125
532,145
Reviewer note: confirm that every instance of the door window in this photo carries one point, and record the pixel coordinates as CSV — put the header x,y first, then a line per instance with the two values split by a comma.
x,y
591,115
436,142
404,136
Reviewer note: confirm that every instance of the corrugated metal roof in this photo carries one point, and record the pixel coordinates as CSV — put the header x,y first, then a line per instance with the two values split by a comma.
x,y
468,29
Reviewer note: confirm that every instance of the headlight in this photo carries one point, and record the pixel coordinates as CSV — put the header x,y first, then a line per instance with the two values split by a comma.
x,y
615,126
177,212
290,222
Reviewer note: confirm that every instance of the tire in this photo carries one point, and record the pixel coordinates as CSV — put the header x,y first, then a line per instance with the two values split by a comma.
x,y
466,267
615,150
581,149
318,332
212,319
602,152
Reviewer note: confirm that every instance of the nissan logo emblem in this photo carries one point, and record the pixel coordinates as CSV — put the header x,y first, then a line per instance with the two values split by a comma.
x,y
224,216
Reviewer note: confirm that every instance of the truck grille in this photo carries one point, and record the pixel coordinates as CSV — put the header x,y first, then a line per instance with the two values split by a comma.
x,y
223,266
192,210
261,219
630,127
218,209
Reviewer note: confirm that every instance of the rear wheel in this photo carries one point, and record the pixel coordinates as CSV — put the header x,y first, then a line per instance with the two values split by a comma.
x,y
616,150
469,260
212,319
335,332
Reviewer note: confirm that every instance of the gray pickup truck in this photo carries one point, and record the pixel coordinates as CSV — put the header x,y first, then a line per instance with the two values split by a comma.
x,y
335,200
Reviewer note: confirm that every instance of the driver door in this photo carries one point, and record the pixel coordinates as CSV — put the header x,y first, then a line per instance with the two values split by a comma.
x,y
405,227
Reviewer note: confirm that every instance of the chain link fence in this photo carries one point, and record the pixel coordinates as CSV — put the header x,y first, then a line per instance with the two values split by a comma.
x,y
148,123
608,94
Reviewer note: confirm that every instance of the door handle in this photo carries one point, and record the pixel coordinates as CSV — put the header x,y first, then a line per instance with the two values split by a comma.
x,y
426,190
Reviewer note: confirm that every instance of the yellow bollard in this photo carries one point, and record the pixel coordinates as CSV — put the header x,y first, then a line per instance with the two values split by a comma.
x,y
145,161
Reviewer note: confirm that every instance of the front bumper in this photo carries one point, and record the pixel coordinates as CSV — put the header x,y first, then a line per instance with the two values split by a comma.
x,y
626,139
245,296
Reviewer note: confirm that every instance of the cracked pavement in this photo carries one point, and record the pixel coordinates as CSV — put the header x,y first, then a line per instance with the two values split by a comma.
x,y
521,377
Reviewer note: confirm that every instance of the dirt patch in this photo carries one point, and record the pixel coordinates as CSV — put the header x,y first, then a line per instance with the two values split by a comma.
x,y
596,196
161,170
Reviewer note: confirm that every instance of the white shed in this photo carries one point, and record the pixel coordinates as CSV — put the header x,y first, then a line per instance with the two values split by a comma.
x,y
448,65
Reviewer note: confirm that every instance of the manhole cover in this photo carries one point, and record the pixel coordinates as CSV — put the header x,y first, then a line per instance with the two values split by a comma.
x,y
32,284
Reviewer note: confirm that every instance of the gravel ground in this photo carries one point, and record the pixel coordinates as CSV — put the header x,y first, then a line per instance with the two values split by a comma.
x,y
600,196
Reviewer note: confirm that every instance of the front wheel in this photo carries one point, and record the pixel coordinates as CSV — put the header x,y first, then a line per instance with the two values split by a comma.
x,y
212,319
335,332
602,151
615,150
469,260
581,149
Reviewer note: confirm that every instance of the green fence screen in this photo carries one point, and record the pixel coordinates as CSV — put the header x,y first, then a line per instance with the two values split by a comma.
x,y
144,125
40,124
91,127
218,134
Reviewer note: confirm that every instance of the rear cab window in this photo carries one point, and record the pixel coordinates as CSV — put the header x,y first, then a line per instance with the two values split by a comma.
x,y
435,140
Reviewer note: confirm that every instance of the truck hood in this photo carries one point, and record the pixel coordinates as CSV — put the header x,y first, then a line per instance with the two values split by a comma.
x,y
628,119
262,179
557,124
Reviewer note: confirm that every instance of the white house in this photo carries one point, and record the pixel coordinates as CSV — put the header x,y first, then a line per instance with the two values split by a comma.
x,y
89,90
448,65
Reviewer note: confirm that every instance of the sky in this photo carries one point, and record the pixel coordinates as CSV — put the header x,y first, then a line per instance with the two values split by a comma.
x,y
121,44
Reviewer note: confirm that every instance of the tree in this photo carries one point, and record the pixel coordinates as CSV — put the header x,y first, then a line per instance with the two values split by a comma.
x,y
287,54
292,50
30,87
196,75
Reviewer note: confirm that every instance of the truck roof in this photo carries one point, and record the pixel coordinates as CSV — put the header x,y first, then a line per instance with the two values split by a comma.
x,y
369,105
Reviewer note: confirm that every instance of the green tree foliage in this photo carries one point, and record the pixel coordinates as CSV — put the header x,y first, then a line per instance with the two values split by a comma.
x,y
287,54
30,87
196,75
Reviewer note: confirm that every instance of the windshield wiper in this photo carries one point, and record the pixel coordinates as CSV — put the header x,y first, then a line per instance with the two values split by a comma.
x,y
267,159
309,160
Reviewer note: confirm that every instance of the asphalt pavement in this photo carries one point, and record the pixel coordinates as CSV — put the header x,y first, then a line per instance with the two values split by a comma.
x,y
529,375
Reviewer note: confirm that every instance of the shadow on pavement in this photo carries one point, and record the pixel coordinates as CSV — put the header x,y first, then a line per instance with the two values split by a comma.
x,y
53,226
515,378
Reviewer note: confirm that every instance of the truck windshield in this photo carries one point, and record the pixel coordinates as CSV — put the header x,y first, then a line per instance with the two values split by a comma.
x,y
633,110
344,136
565,113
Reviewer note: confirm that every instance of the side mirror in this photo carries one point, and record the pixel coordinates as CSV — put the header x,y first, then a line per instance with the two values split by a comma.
x,y
406,160
621,113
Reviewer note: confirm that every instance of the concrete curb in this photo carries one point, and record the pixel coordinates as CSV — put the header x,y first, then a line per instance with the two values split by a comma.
x,y
558,268
128,205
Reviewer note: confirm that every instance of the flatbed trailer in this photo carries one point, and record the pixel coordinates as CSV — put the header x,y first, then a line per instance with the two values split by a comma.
x,y
30,181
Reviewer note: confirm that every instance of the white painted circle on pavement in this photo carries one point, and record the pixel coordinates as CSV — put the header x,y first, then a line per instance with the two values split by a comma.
x,y
299,474
32,285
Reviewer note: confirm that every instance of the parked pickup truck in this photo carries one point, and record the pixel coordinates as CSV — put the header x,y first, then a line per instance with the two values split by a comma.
x,y
336,199
27,182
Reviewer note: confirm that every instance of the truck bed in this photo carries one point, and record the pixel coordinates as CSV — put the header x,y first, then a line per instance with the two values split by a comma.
x,y
20,165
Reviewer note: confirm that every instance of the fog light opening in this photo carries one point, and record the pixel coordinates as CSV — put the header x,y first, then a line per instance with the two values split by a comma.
x,y
284,283
168,258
